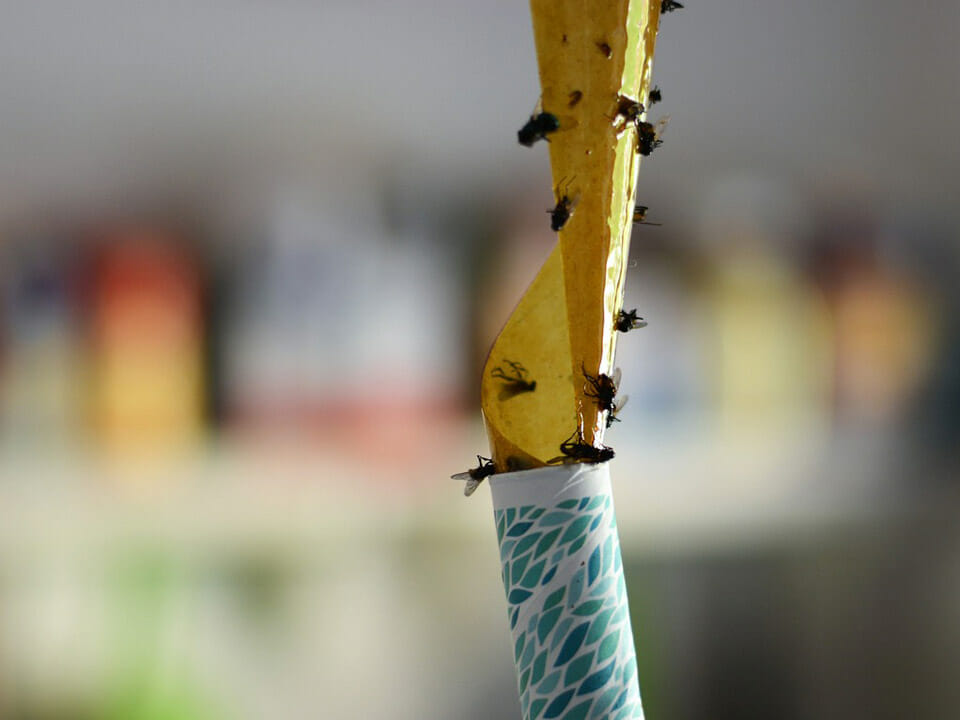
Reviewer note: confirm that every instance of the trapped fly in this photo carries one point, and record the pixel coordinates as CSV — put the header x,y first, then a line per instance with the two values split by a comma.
x,y
475,476
574,449
627,321
515,380
562,210
640,216
538,127
603,389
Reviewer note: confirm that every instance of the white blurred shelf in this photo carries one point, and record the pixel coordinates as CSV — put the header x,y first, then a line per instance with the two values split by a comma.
x,y
684,495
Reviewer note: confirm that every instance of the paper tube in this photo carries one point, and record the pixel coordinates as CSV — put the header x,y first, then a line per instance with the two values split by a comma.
x,y
566,595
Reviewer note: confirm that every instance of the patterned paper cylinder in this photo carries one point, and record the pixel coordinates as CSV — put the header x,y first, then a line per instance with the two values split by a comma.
x,y
566,596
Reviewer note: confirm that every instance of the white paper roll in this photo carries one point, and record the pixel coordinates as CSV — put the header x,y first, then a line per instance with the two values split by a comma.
x,y
566,595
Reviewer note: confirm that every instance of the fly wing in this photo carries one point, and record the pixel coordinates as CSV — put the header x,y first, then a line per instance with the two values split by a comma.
x,y
465,475
616,377
471,486
661,126
621,403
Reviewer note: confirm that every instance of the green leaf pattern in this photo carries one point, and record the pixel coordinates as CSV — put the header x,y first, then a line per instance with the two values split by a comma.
x,y
563,578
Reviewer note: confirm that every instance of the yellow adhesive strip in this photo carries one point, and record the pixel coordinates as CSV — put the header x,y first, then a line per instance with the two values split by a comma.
x,y
590,55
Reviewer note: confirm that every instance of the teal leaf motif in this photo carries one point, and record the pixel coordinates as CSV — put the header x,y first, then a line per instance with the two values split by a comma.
x,y
537,513
554,598
547,621
533,575
575,529
513,618
620,700
608,551
603,702
629,711
511,514
519,529
550,573
567,504
579,712
572,644
598,680
524,678
500,527
583,502
589,607
536,707
555,518
593,566
539,666
578,668
548,685
596,521
602,587
526,543
599,626
559,704
608,646
517,567
517,596
525,509
561,633
596,502
630,669
546,542
518,647
576,587
528,653
577,544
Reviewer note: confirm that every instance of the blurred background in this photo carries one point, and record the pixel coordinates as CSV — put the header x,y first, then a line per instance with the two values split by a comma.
x,y
252,255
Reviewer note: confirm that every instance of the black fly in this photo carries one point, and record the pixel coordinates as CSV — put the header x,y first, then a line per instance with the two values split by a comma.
x,y
603,389
537,128
627,321
669,6
475,476
655,95
640,215
515,381
562,210
648,138
574,449
605,49
629,109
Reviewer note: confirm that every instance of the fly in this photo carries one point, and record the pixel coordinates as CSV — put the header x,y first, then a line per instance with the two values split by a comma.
x,y
475,476
538,127
648,136
669,6
515,381
605,49
640,216
655,95
627,321
574,450
603,389
562,210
